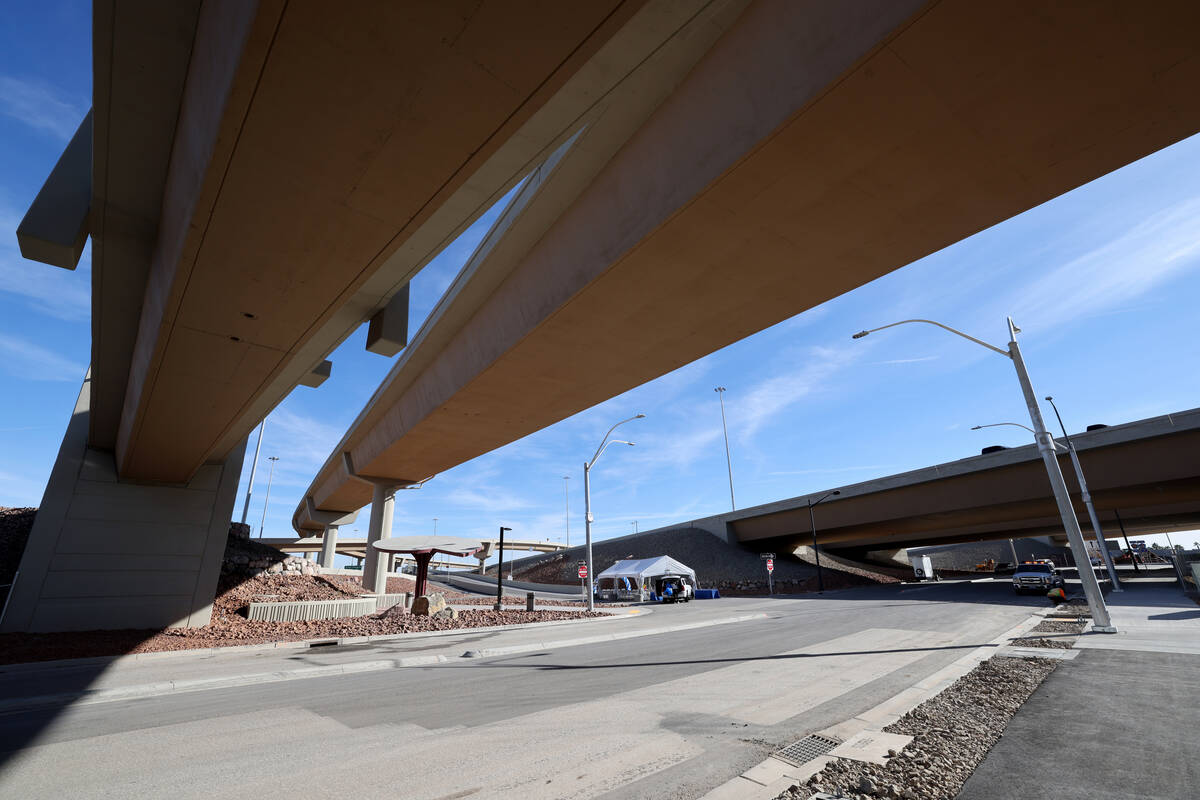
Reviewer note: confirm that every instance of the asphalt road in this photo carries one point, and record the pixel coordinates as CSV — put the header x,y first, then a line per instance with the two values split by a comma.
x,y
671,715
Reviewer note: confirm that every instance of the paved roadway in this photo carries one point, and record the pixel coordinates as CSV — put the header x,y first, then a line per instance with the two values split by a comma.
x,y
671,715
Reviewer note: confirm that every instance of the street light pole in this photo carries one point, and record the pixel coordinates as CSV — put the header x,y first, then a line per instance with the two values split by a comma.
x,y
253,469
267,500
720,390
817,553
1087,501
567,506
500,571
1091,588
587,500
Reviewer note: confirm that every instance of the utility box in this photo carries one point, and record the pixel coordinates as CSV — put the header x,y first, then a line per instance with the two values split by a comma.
x,y
923,568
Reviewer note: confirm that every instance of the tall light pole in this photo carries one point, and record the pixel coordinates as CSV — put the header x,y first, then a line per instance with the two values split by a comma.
x,y
720,390
1091,588
500,572
587,499
813,522
1079,475
253,469
267,500
1087,501
567,507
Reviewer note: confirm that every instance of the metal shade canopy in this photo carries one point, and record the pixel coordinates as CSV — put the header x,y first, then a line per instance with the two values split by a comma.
x,y
423,548
447,545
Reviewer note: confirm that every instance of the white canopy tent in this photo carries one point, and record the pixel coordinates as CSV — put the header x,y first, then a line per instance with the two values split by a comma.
x,y
634,578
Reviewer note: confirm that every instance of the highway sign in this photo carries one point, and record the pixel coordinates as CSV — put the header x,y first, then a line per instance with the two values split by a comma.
x,y
583,571
766,556
770,565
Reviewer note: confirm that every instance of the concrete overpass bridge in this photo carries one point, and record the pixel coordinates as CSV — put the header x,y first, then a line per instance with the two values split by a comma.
x,y
259,179
329,546
813,148
1145,471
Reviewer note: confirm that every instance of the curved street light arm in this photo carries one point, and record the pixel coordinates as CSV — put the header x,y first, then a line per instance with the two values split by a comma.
x,y
603,441
1019,425
991,347
605,447
826,496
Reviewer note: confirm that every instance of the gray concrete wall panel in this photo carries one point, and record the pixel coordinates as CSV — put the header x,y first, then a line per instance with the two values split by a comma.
x,y
104,554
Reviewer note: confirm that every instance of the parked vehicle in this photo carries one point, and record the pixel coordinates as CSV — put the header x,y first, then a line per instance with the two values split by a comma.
x,y
675,589
1036,576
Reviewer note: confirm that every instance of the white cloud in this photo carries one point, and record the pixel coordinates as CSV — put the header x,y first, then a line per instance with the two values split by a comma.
x,y
811,372
831,470
20,491
1139,259
907,360
59,293
26,360
39,106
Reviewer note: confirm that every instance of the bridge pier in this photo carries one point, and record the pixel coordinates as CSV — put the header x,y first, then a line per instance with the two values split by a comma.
x,y
107,553
329,546
383,506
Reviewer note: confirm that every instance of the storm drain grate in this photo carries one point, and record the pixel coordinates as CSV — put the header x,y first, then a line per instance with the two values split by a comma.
x,y
806,749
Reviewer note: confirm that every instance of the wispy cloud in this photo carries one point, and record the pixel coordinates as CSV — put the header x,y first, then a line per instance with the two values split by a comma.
x,y
810,372
59,293
1142,257
40,106
830,470
32,362
907,360
20,490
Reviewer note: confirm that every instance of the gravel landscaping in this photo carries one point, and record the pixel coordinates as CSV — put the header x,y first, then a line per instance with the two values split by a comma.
x,y
246,578
1052,644
1059,626
952,734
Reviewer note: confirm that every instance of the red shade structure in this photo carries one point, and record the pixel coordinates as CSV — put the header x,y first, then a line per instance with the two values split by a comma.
x,y
423,548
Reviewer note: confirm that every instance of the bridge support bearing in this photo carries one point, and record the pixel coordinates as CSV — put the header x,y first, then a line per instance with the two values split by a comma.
x,y
383,506
105,553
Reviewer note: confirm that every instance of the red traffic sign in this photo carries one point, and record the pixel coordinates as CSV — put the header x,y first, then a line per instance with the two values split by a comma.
x,y
583,571
770,565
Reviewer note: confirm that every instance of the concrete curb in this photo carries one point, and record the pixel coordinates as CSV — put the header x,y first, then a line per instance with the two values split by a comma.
x,y
772,777
298,644
160,688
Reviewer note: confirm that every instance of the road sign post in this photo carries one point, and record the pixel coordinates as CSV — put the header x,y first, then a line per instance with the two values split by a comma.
x,y
770,559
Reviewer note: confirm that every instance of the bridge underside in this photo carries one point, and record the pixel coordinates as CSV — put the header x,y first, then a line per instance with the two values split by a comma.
x,y
812,149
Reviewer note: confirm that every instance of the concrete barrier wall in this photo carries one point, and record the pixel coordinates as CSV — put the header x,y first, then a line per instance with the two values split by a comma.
x,y
106,553
298,610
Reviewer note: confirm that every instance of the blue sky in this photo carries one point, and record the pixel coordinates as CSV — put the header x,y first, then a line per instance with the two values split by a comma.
x,y
1105,282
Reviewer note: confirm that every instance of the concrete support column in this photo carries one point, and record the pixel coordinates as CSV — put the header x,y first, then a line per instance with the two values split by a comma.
x,y
383,505
329,546
482,560
391,563
311,555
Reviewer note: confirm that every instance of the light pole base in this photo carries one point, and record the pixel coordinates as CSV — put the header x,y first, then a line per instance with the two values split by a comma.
x,y
1104,629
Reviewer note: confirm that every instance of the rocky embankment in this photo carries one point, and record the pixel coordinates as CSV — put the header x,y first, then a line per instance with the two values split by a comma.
x,y
15,524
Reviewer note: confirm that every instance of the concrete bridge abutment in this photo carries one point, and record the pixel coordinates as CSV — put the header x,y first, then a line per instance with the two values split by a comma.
x,y
107,553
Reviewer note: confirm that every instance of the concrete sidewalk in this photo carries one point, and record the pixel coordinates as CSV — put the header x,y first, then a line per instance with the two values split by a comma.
x,y
1088,729
93,680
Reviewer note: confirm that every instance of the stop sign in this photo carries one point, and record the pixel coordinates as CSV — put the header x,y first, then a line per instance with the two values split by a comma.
x,y
770,565
583,571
